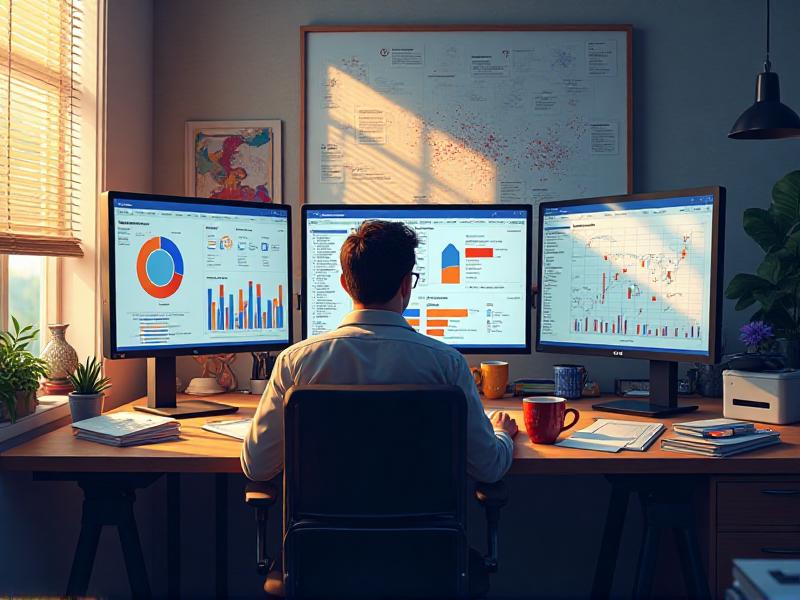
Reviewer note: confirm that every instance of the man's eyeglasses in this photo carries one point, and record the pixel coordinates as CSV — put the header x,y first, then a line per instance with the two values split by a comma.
x,y
414,279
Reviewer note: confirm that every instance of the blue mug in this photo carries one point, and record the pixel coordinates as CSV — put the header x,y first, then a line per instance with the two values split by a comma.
x,y
569,380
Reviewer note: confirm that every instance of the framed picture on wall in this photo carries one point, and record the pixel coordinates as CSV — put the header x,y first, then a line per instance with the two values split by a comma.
x,y
234,160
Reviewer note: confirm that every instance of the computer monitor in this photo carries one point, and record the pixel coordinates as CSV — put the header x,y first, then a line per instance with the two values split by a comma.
x,y
636,276
474,290
193,276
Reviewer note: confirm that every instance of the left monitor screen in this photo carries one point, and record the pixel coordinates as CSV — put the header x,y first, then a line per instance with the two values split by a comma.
x,y
199,276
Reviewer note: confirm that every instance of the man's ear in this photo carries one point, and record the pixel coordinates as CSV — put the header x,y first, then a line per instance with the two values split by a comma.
x,y
343,281
405,286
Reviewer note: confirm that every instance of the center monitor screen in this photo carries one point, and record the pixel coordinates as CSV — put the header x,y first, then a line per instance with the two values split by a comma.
x,y
198,276
474,265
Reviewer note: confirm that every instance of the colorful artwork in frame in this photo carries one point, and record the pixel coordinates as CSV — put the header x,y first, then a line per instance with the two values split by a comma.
x,y
234,160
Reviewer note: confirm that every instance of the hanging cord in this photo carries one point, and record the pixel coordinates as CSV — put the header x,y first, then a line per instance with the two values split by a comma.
x,y
767,63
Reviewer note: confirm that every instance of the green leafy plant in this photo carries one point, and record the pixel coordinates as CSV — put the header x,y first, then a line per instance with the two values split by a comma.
x,y
87,378
20,371
775,287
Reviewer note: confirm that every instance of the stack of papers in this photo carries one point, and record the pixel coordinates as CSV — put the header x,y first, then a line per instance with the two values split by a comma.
x,y
719,437
128,429
722,446
612,435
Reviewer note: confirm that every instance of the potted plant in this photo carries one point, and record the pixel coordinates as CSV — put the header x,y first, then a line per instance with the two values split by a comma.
x,y
87,399
775,287
20,372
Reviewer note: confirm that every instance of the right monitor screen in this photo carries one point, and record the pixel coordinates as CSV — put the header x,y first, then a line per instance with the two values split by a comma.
x,y
629,274
474,286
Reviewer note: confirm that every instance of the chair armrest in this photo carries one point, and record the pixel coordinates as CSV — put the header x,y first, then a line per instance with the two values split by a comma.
x,y
260,494
493,497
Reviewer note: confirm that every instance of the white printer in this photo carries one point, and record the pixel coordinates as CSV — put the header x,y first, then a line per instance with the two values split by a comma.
x,y
763,396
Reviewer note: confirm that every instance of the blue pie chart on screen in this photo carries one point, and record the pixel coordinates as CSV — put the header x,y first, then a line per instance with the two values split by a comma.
x,y
159,267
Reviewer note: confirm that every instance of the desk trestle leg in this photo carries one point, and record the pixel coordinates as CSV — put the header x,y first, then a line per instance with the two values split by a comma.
x,y
666,505
108,500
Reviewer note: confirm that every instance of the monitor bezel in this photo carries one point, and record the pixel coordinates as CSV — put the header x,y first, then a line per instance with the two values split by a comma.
x,y
443,207
715,300
108,279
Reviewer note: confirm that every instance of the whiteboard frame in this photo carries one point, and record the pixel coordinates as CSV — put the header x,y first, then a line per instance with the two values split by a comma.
x,y
310,30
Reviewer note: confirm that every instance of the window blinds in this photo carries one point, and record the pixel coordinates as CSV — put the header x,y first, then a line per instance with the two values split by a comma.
x,y
40,56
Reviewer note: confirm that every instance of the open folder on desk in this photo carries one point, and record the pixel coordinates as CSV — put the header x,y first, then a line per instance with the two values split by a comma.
x,y
611,435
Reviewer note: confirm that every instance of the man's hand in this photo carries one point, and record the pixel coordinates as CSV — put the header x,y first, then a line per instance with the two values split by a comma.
x,y
501,420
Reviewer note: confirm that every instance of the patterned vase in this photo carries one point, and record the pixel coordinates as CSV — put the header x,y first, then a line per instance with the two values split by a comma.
x,y
61,360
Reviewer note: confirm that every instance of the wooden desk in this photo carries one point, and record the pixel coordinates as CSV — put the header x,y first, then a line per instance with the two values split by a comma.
x,y
199,451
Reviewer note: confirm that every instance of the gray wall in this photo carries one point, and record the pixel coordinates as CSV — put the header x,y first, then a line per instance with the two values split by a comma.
x,y
695,64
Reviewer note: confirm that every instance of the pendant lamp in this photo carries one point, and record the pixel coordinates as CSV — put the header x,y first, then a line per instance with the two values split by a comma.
x,y
768,118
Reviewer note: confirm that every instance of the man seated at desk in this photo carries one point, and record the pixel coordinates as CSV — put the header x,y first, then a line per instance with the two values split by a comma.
x,y
375,345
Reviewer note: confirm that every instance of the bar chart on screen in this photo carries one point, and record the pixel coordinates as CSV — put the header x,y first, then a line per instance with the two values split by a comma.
x,y
245,308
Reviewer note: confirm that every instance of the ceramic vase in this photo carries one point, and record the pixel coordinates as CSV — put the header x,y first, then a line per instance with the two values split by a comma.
x,y
61,360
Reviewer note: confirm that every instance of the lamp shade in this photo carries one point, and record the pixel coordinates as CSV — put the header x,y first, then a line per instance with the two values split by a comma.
x,y
768,118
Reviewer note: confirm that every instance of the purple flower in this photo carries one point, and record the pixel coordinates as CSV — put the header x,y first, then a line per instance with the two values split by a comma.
x,y
755,334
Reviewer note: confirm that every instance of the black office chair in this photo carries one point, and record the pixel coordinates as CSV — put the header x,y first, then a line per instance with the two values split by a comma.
x,y
375,490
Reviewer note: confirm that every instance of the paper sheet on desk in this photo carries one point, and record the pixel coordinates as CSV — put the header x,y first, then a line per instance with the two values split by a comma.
x,y
235,428
608,435
590,442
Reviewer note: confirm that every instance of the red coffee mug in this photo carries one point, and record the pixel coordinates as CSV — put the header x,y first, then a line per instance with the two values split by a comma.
x,y
545,416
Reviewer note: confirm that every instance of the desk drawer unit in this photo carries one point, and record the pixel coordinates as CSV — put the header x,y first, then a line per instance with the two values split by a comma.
x,y
758,503
754,518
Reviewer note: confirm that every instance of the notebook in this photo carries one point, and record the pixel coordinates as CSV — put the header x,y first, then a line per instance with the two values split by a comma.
x,y
127,429
613,435
714,428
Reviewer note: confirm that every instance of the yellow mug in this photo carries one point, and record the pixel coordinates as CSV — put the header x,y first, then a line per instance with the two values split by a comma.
x,y
491,378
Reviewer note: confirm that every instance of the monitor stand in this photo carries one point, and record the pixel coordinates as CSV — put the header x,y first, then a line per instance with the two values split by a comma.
x,y
161,394
663,399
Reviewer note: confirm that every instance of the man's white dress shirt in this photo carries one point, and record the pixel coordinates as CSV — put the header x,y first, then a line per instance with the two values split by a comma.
x,y
372,347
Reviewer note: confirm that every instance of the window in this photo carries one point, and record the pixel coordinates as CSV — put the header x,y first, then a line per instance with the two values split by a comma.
x,y
40,57
40,62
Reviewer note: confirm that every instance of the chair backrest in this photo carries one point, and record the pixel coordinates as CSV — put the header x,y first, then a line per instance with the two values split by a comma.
x,y
375,491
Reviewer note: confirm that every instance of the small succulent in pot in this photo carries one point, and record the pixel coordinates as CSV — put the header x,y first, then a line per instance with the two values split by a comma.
x,y
87,399
20,372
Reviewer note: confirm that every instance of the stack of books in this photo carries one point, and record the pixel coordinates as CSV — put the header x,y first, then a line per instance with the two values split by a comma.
x,y
719,437
760,579
128,429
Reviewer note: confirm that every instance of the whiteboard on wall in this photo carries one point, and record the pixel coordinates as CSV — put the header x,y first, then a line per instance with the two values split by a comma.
x,y
465,114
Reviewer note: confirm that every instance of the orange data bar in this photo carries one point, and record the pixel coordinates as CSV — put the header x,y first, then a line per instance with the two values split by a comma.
x,y
479,252
447,312
451,275
413,322
437,323
213,315
435,332
280,295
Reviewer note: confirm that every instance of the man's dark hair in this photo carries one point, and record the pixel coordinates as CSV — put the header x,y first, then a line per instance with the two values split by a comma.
x,y
375,258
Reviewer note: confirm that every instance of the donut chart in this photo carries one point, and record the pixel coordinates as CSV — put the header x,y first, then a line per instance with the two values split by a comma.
x,y
159,267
